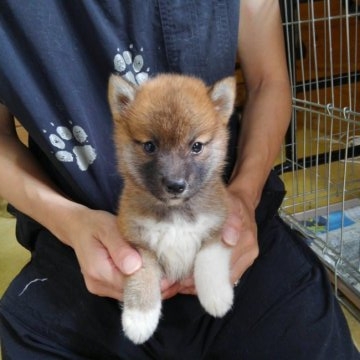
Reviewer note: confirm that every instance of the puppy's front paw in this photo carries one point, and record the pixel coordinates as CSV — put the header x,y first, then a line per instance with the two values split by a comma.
x,y
212,279
216,300
139,325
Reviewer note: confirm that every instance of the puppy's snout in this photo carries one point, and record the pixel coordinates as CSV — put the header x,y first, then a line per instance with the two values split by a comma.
x,y
175,186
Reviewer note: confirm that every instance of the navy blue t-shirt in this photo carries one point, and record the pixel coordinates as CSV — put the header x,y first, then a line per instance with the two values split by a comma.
x,y
56,58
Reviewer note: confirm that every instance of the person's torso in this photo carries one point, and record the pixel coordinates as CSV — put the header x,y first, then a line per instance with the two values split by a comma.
x,y
56,58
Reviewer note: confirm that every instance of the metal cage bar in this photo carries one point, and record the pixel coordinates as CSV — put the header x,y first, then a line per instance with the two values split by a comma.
x,y
320,159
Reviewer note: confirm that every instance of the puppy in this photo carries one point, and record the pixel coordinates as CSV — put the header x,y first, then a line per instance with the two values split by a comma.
x,y
171,138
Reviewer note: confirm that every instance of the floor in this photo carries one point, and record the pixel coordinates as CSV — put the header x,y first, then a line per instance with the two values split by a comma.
x,y
12,255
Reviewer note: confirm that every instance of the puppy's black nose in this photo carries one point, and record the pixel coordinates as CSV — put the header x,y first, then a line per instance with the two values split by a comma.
x,y
175,186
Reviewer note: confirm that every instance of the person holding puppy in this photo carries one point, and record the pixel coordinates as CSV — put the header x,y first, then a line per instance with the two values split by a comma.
x,y
54,67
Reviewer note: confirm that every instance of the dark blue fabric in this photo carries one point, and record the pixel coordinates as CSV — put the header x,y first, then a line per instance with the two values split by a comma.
x,y
56,58
284,309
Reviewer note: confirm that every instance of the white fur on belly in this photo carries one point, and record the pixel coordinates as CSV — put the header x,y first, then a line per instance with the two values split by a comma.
x,y
177,242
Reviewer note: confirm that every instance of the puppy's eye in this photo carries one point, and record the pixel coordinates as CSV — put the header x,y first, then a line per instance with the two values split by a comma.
x,y
197,148
149,147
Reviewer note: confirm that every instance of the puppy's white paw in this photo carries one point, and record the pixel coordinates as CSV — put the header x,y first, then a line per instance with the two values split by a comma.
x,y
216,300
139,325
212,279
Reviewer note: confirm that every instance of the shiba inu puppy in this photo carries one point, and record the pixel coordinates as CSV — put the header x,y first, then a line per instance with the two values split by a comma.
x,y
171,138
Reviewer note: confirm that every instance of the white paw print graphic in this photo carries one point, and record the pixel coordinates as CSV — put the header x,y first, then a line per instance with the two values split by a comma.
x,y
131,67
63,140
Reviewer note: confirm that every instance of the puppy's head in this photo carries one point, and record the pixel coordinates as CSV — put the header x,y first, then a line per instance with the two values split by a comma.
x,y
171,133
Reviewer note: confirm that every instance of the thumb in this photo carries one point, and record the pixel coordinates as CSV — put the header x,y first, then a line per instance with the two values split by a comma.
x,y
230,236
126,258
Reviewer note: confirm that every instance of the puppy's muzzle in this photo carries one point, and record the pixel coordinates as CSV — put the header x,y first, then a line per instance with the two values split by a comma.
x,y
174,186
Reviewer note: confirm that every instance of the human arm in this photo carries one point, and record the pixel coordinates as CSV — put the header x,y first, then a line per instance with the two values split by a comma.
x,y
265,120
102,253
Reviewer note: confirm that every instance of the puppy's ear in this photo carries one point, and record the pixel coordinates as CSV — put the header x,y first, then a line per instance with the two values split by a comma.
x,y
120,94
222,94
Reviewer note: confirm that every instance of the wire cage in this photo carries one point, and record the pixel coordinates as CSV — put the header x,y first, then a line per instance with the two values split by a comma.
x,y
320,159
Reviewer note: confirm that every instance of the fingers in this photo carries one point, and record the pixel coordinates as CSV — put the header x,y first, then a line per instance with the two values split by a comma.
x,y
243,257
188,287
170,289
126,258
240,232
230,235
99,287
104,256
102,277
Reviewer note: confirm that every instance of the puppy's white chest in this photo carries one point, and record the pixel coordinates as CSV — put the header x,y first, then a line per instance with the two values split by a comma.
x,y
176,243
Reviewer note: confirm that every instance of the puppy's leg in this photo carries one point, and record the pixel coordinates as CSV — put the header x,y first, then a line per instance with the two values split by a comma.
x,y
142,300
212,278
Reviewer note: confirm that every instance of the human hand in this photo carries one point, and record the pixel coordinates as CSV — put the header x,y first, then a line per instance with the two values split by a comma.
x,y
240,232
104,256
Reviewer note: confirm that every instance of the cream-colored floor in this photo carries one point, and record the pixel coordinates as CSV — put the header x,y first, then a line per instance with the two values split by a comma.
x,y
12,255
